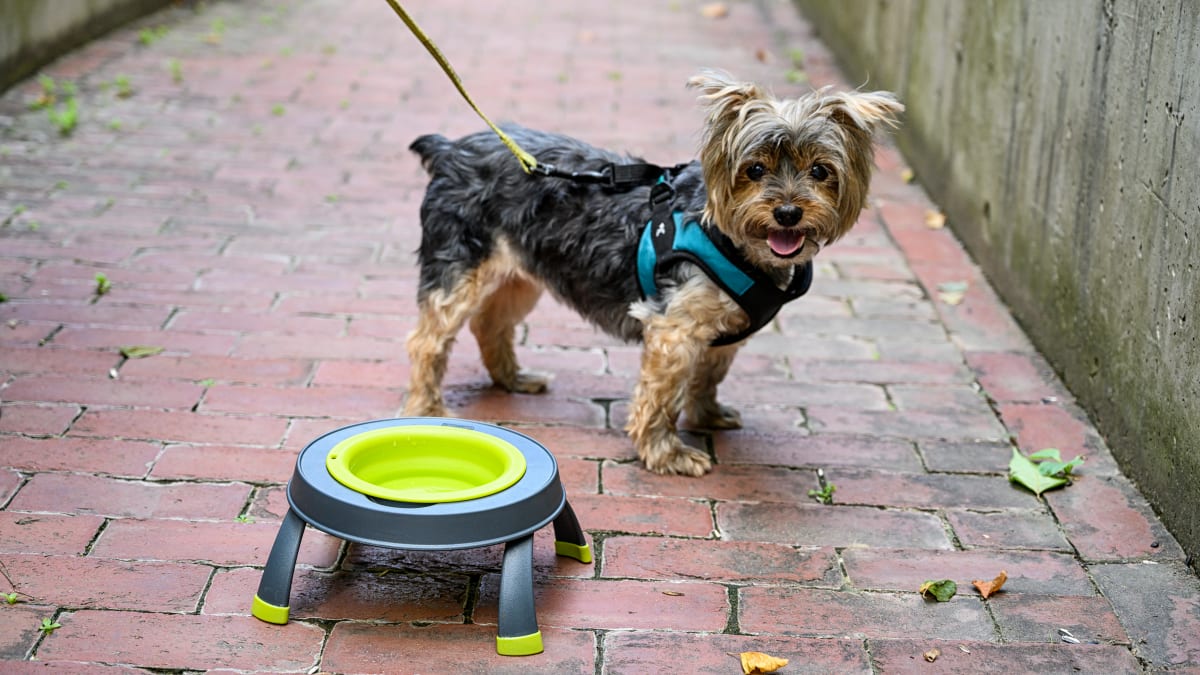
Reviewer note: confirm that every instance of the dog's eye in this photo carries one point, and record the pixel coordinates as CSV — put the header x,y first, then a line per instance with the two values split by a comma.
x,y
819,172
756,171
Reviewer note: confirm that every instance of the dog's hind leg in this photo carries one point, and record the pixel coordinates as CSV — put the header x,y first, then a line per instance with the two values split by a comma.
x,y
702,408
494,328
440,316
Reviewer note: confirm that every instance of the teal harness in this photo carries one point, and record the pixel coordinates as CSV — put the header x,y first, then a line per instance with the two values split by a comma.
x,y
668,240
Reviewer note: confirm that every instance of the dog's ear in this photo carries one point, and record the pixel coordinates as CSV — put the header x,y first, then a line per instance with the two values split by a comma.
x,y
864,111
722,96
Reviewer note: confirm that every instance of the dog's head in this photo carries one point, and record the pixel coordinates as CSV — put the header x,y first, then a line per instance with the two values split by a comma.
x,y
786,177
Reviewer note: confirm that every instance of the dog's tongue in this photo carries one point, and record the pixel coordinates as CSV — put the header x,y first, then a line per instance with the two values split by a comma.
x,y
785,242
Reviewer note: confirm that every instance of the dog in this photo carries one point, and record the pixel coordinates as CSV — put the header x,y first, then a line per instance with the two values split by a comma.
x,y
775,181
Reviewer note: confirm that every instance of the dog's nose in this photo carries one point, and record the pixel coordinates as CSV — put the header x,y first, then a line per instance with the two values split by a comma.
x,y
788,214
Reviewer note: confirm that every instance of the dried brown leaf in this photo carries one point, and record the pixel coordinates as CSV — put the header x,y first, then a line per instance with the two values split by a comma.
x,y
758,662
987,588
932,654
715,10
935,220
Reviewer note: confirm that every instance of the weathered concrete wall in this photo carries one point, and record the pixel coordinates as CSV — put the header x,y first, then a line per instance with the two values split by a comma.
x,y
1063,141
33,32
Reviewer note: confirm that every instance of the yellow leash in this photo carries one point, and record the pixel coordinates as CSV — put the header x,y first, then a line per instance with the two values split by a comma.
x,y
528,162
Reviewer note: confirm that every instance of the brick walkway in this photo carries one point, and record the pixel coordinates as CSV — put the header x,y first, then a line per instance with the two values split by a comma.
x,y
254,207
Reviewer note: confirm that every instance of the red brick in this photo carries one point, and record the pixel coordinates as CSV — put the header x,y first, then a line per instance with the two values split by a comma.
x,y
73,667
1007,529
269,503
254,465
366,648
732,482
101,455
1038,618
318,348
25,360
153,641
616,605
23,335
303,402
581,442
816,525
103,392
966,456
1107,519
36,420
969,657
80,314
863,486
1049,425
108,584
882,372
81,494
712,560
174,343
633,515
199,367
384,374
819,450
10,481
225,544
908,424
906,569
182,427
46,534
1013,377
784,392
1159,606
204,321
498,406
394,596
814,612
637,652
19,630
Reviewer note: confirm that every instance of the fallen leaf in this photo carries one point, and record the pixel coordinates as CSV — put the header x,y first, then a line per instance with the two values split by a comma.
x,y
140,351
941,590
1022,470
714,10
907,175
935,220
986,588
762,55
1050,462
963,649
758,662
932,654
673,594
952,292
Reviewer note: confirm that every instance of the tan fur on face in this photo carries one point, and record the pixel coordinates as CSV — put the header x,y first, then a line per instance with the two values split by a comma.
x,y
788,137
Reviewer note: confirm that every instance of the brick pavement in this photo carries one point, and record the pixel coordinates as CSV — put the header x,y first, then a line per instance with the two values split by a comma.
x,y
255,209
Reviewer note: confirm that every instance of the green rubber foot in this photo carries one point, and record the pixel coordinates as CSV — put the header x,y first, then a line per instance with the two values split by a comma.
x,y
268,612
581,553
525,645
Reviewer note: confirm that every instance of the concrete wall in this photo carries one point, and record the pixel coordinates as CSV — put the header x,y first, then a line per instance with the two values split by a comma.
x,y
1063,141
34,32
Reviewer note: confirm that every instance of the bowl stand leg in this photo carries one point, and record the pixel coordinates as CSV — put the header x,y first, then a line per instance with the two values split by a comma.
x,y
517,633
568,536
275,588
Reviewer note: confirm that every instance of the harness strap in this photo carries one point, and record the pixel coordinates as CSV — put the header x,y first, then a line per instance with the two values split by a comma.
x,y
614,177
668,240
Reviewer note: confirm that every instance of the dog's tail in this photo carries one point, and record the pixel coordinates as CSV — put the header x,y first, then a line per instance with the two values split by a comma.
x,y
429,148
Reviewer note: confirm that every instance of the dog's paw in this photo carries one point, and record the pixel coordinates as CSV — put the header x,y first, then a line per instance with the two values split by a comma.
x,y
719,417
415,408
527,382
680,459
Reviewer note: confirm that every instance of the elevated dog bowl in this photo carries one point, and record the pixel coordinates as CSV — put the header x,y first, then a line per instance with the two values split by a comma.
x,y
424,483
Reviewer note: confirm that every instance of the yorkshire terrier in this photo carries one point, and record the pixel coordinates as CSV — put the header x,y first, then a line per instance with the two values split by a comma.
x,y
776,181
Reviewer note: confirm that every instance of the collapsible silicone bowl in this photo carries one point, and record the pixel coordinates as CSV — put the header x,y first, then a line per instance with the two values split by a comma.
x,y
429,484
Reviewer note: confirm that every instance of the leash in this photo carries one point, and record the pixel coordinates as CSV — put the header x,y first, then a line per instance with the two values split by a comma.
x,y
617,177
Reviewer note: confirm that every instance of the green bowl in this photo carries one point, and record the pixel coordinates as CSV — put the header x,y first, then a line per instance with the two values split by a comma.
x,y
425,464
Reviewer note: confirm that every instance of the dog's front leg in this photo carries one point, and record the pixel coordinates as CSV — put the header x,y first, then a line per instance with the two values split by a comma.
x,y
672,351
702,408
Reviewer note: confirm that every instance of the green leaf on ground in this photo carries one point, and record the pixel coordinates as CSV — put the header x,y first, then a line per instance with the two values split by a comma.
x,y
1050,463
49,626
140,351
1022,470
825,494
941,590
